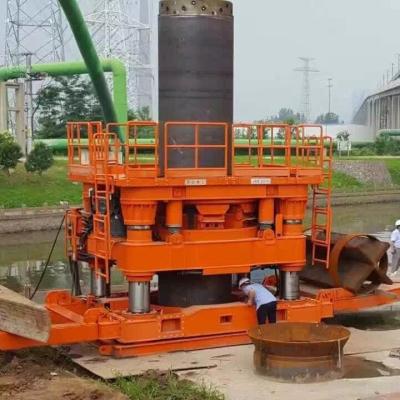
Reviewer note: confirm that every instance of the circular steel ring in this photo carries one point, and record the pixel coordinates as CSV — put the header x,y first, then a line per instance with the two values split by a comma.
x,y
336,252
216,8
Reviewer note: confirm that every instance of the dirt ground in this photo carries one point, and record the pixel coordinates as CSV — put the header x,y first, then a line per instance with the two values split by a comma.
x,y
24,377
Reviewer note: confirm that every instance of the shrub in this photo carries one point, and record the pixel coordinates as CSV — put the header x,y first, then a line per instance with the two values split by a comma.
x,y
39,159
6,137
10,152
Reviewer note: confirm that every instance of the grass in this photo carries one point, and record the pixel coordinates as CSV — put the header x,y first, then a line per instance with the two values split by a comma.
x,y
393,165
22,189
157,386
344,182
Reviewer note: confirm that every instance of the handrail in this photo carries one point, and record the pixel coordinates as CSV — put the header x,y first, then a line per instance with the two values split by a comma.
x,y
196,145
296,149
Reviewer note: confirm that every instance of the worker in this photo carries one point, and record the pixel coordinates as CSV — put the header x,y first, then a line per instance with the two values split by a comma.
x,y
395,248
264,300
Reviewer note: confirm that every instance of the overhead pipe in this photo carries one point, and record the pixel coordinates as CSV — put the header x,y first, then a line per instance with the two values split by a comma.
x,y
116,67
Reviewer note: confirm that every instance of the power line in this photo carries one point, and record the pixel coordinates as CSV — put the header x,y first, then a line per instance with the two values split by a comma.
x,y
306,95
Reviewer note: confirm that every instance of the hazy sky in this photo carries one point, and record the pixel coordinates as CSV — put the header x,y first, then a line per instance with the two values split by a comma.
x,y
353,41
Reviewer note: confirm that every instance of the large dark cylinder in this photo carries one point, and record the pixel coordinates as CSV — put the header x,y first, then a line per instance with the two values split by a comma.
x,y
195,84
184,289
195,78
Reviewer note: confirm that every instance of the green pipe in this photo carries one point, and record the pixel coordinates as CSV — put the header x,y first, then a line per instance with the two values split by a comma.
x,y
116,67
389,132
89,55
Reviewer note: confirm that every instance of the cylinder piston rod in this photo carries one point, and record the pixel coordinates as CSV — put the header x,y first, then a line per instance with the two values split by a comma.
x,y
289,285
139,297
98,285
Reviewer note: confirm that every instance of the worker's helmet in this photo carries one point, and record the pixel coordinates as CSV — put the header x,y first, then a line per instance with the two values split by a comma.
x,y
244,281
397,223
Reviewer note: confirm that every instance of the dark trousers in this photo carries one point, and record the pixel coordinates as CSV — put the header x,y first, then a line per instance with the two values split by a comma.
x,y
267,310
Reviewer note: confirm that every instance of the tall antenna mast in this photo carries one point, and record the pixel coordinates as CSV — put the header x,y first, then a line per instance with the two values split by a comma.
x,y
36,27
306,95
122,29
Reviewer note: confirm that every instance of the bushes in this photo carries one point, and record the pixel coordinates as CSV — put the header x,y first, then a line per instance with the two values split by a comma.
x,y
387,145
39,159
10,152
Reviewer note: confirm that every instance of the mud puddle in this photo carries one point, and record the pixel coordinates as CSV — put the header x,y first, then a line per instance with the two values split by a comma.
x,y
360,368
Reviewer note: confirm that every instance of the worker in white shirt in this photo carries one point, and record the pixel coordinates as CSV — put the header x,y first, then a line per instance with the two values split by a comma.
x,y
262,298
395,248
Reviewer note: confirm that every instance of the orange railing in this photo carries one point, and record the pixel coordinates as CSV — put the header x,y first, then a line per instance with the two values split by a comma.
x,y
266,145
197,148
140,147
186,141
80,139
310,145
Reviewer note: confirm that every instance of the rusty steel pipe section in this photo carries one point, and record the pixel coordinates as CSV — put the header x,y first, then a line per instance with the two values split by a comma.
x,y
357,262
299,352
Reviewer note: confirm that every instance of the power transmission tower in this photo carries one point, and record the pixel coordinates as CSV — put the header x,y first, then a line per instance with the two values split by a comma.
x,y
307,70
34,34
36,27
122,29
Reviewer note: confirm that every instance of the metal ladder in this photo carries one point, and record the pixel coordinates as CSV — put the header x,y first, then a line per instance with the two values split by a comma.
x,y
103,190
321,224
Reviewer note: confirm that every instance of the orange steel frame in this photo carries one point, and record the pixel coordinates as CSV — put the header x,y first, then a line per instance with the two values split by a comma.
x,y
270,188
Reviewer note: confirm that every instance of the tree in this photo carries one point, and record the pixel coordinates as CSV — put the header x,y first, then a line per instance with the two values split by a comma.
x,y
65,99
327,119
288,116
10,152
69,99
39,159
142,114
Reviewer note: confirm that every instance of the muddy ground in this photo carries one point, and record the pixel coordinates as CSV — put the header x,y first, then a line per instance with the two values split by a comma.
x,y
46,374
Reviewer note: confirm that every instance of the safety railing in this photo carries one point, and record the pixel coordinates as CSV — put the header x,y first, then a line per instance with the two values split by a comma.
x,y
139,152
195,148
311,148
80,138
261,145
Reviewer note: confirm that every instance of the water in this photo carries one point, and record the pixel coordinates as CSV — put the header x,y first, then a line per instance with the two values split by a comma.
x,y
22,256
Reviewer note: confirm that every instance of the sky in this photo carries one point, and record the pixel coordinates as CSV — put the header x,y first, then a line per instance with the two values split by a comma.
x,y
353,42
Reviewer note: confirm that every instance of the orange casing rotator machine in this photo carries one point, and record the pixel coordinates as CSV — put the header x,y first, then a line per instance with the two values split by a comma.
x,y
186,206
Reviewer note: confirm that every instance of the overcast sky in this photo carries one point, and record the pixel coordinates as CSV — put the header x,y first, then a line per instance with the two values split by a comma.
x,y
353,41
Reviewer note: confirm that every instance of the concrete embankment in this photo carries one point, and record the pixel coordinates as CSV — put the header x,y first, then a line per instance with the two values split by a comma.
x,y
16,220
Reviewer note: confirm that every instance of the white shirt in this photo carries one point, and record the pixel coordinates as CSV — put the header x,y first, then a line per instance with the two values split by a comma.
x,y
263,296
395,238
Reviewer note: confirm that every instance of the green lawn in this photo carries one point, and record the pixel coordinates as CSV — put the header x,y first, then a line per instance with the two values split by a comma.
x,y
343,182
393,165
22,189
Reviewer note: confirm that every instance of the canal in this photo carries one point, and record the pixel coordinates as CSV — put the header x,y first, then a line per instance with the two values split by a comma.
x,y
23,256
